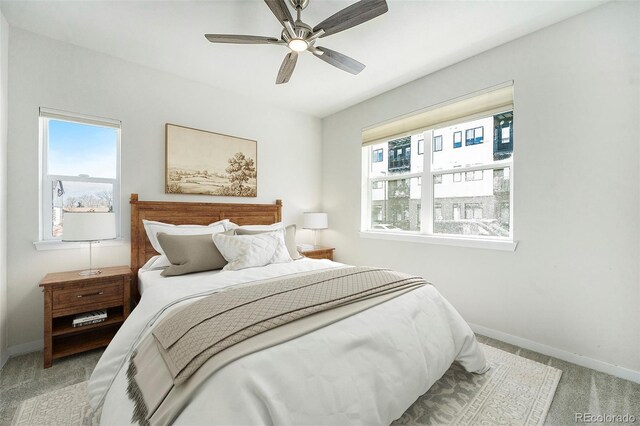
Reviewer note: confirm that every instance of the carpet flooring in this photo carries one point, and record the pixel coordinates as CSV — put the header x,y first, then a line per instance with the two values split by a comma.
x,y
515,391
580,390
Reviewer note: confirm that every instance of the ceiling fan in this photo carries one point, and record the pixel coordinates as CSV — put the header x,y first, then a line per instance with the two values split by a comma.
x,y
299,36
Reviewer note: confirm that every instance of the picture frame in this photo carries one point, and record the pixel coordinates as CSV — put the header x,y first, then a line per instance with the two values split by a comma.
x,y
208,163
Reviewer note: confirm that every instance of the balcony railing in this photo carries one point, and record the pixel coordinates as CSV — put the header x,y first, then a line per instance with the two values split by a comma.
x,y
402,163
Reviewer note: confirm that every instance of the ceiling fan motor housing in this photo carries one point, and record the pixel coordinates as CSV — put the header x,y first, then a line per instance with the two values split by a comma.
x,y
299,3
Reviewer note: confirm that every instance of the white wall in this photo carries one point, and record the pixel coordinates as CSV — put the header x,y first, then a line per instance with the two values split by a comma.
x,y
44,72
573,283
4,53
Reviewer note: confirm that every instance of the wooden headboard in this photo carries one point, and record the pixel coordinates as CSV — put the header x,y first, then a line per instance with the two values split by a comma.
x,y
179,213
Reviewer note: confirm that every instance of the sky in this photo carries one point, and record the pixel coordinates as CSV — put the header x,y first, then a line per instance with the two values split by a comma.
x,y
76,149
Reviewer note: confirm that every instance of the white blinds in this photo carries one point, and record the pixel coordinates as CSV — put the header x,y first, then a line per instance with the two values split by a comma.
x,y
81,118
484,104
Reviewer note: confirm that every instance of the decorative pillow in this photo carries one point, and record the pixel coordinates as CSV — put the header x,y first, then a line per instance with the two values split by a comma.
x,y
153,228
247,251
278,225
289,238
190,253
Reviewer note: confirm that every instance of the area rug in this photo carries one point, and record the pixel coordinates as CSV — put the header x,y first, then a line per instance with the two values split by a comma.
x,y
67,406
515,391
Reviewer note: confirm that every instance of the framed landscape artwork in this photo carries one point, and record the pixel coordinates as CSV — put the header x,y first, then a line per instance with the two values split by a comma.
x,y
201,162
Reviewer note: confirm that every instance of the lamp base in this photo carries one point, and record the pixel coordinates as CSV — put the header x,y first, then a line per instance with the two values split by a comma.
x,y
90,272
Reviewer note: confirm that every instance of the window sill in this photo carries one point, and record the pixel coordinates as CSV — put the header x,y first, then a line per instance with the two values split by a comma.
x,y
61,245
491,244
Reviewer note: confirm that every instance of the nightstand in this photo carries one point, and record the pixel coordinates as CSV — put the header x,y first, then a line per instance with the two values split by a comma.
x,y
319,252
67,294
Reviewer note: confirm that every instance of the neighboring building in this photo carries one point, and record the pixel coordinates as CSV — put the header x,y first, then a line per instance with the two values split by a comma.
x,y
478,200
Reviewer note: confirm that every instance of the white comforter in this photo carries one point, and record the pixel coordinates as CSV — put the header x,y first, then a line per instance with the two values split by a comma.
x,y
365,369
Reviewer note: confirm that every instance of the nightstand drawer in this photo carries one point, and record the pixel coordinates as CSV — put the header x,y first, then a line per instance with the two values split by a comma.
x,y
82,297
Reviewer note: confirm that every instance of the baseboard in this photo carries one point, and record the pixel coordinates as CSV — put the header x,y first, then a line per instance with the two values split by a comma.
x,y
25,348
614,370
4,356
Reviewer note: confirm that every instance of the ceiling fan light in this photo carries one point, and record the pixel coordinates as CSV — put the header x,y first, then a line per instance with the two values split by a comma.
x,y
298,45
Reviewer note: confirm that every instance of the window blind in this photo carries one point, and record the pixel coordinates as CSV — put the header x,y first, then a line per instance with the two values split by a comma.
x,y
478,105
81,118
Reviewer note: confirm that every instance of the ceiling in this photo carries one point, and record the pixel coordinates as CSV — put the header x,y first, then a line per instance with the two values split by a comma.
x,y
413,39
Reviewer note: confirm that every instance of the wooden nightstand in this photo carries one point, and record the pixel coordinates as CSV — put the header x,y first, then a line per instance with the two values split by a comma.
x,y
319,252
67,294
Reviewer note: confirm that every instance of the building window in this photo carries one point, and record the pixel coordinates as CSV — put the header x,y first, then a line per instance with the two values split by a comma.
x,y
80,168
475,175
473,211
420,146
503,135
465,193
399,155
456,211
474,136
437,212
457,139
377,156
437,143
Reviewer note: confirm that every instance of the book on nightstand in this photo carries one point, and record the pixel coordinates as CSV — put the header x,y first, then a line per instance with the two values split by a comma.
x,y
89,318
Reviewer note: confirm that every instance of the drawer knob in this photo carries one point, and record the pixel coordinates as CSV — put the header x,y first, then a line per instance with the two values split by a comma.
x,y
90,294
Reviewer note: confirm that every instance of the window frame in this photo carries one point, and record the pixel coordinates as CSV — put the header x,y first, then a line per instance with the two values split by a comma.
x,y
473,140
46,180
435,138
427,211
457,144
374,154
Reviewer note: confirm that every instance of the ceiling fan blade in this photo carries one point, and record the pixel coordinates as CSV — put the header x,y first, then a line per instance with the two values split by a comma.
x,y
280,10
353,15
241,39
339,60
287,67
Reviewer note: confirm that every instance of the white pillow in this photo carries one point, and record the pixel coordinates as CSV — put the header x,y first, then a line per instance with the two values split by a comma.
x,y
159,261
247,251
153,228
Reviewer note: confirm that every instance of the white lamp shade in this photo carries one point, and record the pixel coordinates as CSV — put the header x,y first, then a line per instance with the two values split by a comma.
x,y
88,226
315,220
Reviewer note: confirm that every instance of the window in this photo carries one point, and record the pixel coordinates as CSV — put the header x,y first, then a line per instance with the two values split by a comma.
x,y
469,191
420,146
457,139
437,143
377,156
474,136
475,175
80,167
456,212
437,212
473,211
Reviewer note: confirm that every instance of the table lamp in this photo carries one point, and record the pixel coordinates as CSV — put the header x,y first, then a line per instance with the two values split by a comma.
x,y
88,227
315,221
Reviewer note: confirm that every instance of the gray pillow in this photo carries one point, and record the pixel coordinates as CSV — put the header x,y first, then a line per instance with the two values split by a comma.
x,y
289,238
190,253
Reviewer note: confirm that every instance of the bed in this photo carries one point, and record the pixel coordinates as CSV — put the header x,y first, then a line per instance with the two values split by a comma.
x,y
367,368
